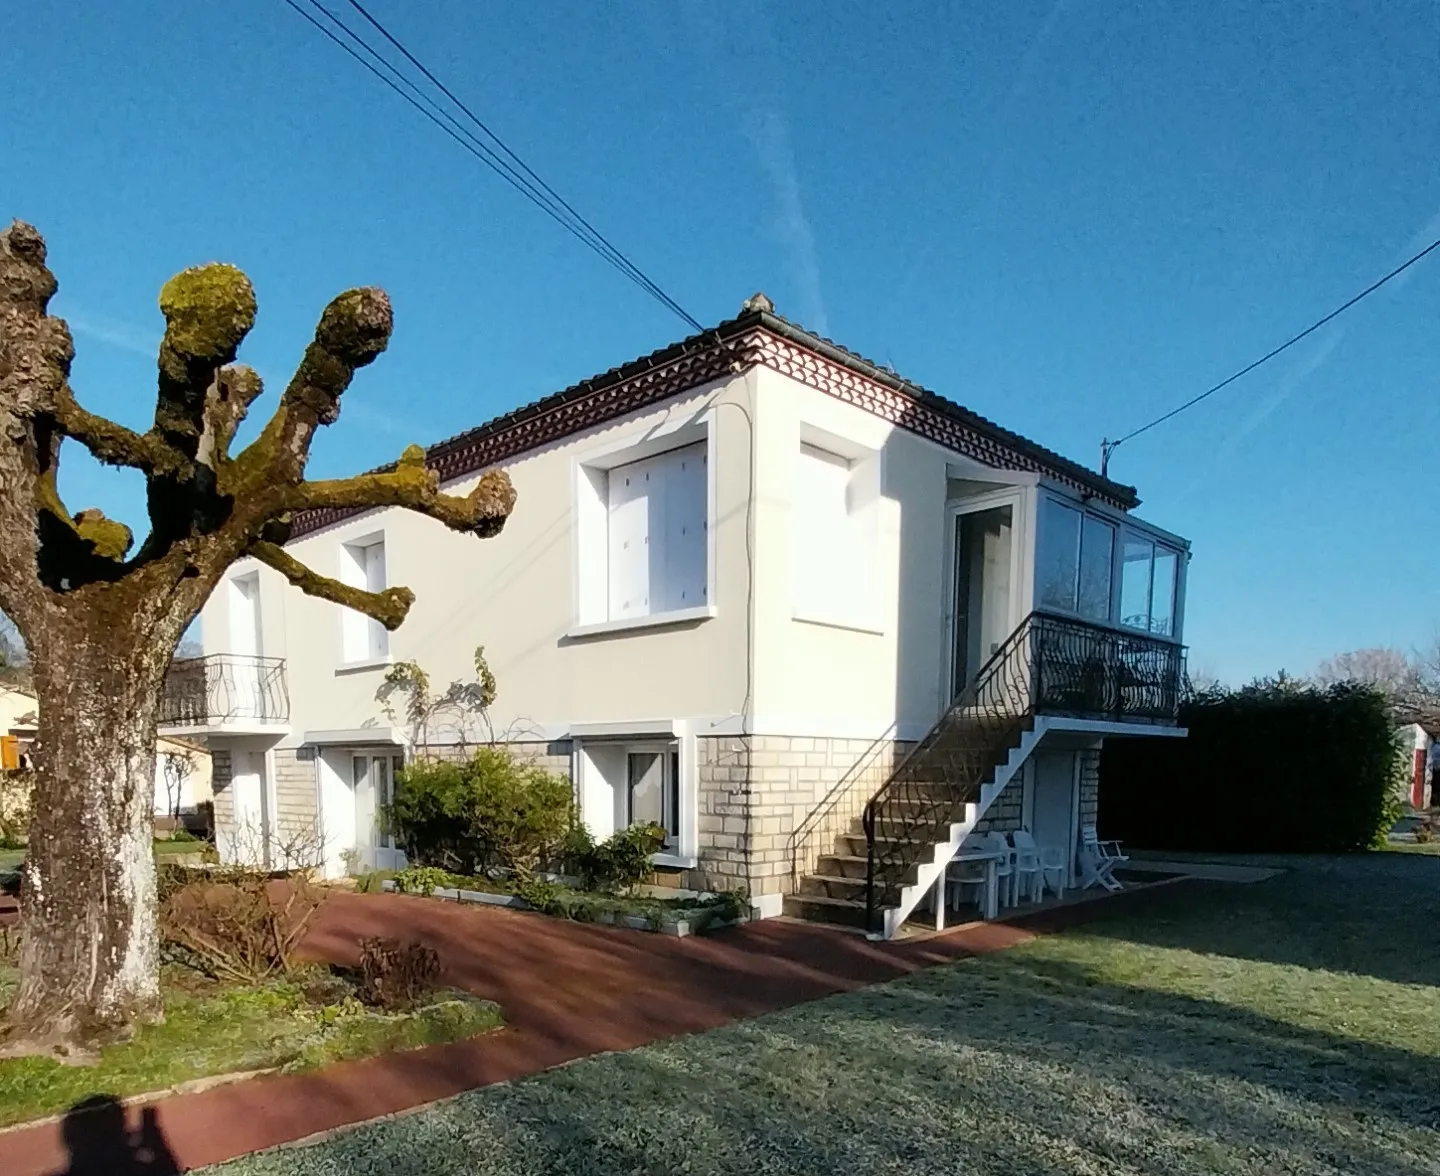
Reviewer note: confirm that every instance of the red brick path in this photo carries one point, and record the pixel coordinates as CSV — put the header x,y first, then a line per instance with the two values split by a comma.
x,y
568,990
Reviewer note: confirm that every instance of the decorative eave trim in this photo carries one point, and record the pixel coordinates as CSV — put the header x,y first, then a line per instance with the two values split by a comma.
x,y
907,411
699,361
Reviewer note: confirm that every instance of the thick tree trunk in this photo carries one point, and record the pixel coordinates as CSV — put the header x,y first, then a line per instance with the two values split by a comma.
x,y
89,965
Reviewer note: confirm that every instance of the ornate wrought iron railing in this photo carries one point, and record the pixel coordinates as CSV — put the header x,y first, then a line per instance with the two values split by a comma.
x,y
1051,665
225,688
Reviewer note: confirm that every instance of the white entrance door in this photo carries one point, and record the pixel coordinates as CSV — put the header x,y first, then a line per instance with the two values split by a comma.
x,y
982,583
373,776
247,834
245,701
1053,805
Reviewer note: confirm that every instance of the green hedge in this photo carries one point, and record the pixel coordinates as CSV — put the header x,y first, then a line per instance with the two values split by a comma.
x,y
1275,767
494,809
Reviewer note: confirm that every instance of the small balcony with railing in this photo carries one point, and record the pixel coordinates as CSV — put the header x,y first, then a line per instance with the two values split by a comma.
x,y
225,693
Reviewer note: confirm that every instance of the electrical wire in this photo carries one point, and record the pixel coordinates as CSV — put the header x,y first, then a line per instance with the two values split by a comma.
x,y
1108,447
527,184
631,267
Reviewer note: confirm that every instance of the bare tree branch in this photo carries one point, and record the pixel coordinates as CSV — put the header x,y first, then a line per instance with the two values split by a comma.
x,y
482,512
112,443
352,331
388,607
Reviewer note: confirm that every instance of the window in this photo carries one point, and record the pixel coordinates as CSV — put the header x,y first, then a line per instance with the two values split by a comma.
x,y
655,523
1148,575
834,537
652,794
1058,560
1074,560
1097,553
362,565
623,781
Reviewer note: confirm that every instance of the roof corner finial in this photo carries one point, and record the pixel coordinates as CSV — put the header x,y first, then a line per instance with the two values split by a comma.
x,y
757,301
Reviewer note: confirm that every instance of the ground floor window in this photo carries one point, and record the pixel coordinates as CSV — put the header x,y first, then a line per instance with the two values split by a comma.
x,y
652,794
372,776
624,780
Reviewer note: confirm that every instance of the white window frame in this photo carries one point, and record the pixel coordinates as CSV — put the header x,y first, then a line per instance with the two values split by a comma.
x,y
603,797
1124,525
864,491
590,530
377,638
1022,527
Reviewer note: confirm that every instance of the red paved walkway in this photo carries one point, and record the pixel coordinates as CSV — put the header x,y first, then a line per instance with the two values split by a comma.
x,y
568,990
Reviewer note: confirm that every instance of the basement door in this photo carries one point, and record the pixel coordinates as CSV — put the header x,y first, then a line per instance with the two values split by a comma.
x,y
373,775
1054,805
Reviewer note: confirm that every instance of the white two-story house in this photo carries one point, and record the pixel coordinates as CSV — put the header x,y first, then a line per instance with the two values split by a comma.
x,y
745,579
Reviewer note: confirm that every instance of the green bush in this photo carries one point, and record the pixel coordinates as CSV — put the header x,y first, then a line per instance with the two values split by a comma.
x,y
496,809
619,863
1274,767
421,880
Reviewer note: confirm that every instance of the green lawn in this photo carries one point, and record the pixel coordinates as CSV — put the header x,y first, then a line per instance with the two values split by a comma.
x,y
1291,1026
211,1030
10,859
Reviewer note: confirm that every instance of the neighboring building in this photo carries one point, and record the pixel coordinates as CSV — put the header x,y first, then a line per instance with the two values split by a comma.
x,y
745,576
1417,738
19,717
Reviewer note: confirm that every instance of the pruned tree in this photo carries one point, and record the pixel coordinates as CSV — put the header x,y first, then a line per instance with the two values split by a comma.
x,y
1387,669
101,618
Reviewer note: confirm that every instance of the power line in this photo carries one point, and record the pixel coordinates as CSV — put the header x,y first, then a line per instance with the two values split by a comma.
x,y
528,170
536,191
1108,447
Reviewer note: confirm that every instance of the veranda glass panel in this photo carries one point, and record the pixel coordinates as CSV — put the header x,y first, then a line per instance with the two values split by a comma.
x,y
1135,582
1097,551
1162,594
1057,561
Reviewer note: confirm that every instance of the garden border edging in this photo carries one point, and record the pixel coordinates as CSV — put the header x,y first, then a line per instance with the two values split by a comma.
x,y
680,928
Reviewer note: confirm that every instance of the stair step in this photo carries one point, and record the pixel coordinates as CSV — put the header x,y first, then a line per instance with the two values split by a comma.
x,y
838,886
817,908
855,845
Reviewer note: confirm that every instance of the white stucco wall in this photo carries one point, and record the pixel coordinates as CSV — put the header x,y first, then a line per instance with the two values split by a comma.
x,y
516,594
827,678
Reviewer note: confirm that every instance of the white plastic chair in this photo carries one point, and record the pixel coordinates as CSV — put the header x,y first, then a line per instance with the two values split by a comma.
x,y
961,875
1098,860
1029,880
1004,866
1054,869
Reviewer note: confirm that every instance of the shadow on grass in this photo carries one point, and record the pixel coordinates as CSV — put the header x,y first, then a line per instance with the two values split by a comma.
x,y
1010,1064
1363,914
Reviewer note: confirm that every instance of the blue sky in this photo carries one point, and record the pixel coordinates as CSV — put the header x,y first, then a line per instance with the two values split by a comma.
x,y
1069,216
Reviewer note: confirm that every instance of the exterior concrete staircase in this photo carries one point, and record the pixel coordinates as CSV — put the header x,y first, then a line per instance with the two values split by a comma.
x,y
914,841
887,861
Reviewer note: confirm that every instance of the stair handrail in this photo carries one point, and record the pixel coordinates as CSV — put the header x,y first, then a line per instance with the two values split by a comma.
x,y
839,807
1050,663
998,697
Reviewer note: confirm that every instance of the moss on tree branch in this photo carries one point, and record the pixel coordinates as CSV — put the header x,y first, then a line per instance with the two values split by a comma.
x,y
208,312
388,607
411,485
112,443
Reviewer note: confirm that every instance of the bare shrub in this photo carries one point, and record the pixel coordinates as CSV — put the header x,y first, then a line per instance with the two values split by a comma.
x,y
237,924
394,974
